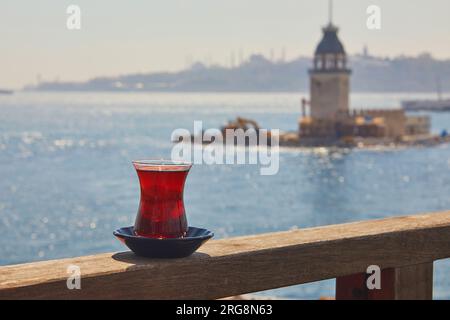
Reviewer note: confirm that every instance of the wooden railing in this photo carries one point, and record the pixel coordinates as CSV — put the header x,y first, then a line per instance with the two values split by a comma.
x,y
403,247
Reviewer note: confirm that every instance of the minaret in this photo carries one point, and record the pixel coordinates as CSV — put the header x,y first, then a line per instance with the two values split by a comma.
x,y
329,77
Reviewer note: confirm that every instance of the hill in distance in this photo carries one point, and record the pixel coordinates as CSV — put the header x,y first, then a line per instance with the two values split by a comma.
x,y
422,73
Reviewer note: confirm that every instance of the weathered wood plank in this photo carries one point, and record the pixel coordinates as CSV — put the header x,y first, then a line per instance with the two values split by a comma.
x,y
240,265
413,282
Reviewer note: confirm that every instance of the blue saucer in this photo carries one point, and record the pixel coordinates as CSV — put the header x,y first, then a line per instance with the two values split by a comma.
x,y
164,248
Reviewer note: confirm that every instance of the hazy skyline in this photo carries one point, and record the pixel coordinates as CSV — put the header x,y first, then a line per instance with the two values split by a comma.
x,y
119,37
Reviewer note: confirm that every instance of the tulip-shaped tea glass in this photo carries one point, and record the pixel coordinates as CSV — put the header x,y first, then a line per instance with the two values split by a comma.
x,y
161,211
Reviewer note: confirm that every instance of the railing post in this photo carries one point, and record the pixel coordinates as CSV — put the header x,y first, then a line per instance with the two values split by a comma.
x,y
413,282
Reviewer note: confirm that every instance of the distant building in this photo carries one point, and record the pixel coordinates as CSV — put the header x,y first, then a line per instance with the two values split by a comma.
x,y
330,117
365,52
329,77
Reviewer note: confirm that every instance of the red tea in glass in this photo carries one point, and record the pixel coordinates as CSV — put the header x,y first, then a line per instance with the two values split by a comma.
x,y
161,211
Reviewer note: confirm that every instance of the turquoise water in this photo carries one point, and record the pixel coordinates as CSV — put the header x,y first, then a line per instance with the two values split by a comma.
x,y
66,180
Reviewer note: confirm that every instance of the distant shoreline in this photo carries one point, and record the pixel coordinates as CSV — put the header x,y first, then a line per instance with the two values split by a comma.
x,y
300,93
258,74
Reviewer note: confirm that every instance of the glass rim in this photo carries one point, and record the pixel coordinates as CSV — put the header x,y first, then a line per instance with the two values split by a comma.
x,y
161,165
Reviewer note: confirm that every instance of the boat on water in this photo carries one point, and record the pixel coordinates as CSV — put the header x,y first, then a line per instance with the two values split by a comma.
x,y
437,105
427,105
5,91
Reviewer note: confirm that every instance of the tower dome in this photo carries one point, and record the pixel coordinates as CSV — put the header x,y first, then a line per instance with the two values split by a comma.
x,y
330,43
330,54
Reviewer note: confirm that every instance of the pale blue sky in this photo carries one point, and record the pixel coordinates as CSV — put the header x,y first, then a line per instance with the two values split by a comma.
x,y
119,36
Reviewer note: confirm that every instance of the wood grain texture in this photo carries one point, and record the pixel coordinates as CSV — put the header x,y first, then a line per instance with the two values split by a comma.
x,y
413,282
240,265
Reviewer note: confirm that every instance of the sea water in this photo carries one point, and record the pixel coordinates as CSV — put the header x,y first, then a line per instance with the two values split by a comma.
x,y
66,178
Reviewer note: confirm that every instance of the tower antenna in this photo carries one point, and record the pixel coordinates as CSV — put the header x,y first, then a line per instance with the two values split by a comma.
x,y
330,11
